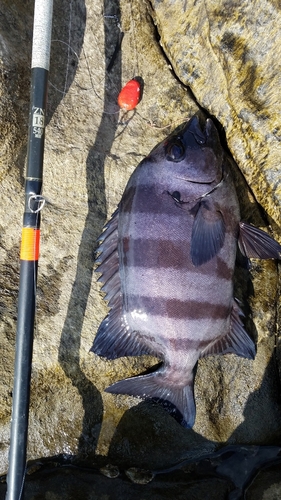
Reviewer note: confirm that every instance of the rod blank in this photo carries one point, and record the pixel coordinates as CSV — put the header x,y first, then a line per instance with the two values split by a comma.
x,y
29,248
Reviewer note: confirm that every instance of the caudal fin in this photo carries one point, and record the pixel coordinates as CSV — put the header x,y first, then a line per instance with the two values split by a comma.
x,y
176,400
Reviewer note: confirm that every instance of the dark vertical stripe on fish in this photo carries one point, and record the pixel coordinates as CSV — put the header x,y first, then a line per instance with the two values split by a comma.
x,y
159,253
178,309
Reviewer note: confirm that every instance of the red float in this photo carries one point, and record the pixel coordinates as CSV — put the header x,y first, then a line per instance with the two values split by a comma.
x,y
130,95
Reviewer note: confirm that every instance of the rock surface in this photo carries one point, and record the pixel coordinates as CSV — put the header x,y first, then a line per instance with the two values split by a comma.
x,y
230,59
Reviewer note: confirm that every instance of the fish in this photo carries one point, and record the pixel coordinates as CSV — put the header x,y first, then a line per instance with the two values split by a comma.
x,y
167,258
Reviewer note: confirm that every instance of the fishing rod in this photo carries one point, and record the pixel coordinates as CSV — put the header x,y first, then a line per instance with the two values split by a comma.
x,y
29,253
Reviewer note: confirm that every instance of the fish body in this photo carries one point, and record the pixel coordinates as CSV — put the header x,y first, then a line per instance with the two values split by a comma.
x,y
167,259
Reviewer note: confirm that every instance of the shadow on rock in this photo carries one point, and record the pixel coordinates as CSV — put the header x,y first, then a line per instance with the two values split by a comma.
x,y
71,333
262,424
68,27
148,437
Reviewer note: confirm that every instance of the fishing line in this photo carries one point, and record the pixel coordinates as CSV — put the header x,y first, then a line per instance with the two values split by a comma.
x,y
22,484
107,70
110,65
82,89
69,39
136,59
131,33
71,49
118,44
90,76
77,57
116,19
41,202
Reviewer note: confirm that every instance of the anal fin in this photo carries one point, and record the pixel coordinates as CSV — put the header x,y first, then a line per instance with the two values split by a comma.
x,y
236,341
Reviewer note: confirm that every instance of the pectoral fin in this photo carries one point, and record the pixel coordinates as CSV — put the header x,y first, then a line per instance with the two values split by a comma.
x,y
208,233
254,242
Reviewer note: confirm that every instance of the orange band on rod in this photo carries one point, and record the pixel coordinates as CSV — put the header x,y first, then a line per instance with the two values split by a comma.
x,y
30,240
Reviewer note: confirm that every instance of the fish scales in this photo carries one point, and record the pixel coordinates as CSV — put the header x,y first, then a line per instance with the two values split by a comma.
x,y
136,279
167,260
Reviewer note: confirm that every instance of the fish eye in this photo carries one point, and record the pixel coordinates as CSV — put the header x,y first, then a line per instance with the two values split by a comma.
x,y
175,151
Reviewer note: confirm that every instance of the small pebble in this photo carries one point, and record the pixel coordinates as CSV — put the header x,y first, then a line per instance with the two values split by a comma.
x,y
139,476
110,471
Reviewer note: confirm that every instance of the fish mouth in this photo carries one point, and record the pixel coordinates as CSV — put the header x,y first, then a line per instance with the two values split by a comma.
x,y
200,132
186,179
197,151
195,132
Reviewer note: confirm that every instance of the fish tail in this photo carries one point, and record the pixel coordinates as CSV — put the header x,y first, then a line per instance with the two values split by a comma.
x,y
178,401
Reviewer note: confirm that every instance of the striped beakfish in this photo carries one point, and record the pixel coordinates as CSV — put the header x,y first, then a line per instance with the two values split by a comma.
x,y
167,259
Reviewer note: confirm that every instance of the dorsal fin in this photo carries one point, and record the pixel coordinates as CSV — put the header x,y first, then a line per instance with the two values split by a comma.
x,y
114,338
